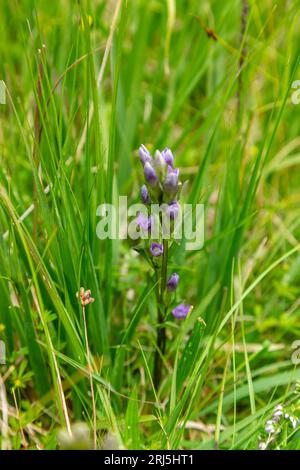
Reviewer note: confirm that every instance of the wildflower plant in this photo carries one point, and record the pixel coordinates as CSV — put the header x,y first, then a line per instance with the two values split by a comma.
x,y
161,189
83,81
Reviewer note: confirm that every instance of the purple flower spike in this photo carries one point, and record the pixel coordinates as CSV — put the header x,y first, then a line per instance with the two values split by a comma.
x,y
143,222
145,194
144,154
173,282
168,156
173,210
156,249
171,181
150,174
181,311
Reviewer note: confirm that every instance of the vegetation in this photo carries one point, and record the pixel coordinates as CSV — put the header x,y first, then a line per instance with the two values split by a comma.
x,y
86,84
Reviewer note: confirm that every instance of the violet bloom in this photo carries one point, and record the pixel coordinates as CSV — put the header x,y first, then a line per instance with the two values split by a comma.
x,y
168,156
159,164
145,194
173,282
171,181
143,222
181,311
144,154
173,210
150,174
156,249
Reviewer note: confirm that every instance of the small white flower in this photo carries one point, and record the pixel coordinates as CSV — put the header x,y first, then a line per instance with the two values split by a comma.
x,y
269,429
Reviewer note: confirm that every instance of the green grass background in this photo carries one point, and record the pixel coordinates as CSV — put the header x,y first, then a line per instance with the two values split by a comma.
x,y
86,83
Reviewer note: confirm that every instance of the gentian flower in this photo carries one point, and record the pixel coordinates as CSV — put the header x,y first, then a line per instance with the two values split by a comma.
x,y
168,156
85,297
162,187
156,249
144,154
269,428
181,311
145,194
293,421
173,282
171,181
150,174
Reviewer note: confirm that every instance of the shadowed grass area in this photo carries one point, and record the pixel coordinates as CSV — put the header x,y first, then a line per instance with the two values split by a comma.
x,y
86,84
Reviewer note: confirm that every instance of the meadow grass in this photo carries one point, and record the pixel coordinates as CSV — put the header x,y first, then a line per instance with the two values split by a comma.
x,y
86,83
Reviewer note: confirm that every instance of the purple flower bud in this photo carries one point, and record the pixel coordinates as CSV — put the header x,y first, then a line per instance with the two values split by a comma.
x,y
181,311
270,429
150,174
173,210
145,194
293,421
143,222
156,249
168,156
144,155
171,181
159,160
159,164
173,282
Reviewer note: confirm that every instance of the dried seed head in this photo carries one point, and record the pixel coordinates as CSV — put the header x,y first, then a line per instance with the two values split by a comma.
x,y
181,311
85,297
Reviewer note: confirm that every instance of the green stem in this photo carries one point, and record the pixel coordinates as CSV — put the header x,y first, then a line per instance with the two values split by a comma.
x,y
162,310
